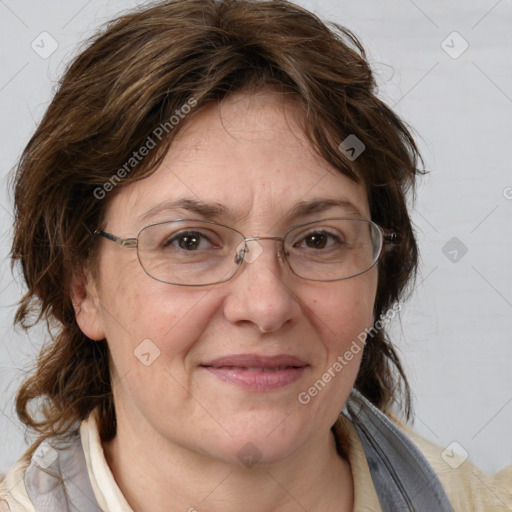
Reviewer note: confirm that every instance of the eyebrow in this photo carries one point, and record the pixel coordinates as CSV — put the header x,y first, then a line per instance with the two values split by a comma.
x,y
217,210
303,208
207,210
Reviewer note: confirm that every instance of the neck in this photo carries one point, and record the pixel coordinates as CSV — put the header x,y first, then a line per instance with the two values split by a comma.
x,y
315,478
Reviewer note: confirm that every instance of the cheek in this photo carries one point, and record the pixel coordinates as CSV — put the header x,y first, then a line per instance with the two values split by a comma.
x,y
342,314
151,334
142,316
344,310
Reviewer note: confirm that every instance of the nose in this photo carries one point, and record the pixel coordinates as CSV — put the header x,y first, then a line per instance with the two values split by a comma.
x,y
259,294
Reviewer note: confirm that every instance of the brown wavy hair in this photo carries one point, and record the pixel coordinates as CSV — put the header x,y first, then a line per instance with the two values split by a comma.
x,y
133,75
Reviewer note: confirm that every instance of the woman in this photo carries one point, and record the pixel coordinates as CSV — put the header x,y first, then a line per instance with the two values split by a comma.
x,y
212,219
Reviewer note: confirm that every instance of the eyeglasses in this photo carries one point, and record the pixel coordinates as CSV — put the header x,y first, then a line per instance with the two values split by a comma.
x,y
191,252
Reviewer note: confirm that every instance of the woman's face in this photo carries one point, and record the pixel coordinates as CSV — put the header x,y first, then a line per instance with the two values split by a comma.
x,y
250,156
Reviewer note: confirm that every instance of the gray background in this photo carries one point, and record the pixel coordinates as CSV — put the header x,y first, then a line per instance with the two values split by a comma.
x,y
455,331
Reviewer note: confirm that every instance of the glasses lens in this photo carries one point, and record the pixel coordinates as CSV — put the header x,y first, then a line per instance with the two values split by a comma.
x,y
333,249
188,252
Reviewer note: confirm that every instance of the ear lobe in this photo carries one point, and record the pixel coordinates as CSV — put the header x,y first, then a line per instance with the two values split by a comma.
x,y
85,301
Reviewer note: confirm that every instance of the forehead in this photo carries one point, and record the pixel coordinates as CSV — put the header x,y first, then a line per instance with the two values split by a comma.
x,y
245,159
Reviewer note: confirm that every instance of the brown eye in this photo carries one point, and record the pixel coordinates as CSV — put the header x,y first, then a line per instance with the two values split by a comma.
x,y
316,241
188,242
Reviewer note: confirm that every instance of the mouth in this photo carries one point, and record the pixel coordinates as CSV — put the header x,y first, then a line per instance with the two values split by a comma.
x,y
257,372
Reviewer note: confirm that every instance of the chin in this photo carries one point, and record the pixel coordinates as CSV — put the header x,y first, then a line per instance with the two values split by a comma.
x,y
262,440
249,452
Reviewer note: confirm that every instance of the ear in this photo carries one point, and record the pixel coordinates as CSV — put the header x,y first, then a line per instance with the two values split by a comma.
x,y
84,297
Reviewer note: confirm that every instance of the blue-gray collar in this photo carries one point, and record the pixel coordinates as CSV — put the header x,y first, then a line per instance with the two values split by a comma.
x,y
403,478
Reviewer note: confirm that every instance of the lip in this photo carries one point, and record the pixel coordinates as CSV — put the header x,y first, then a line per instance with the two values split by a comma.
x,y
257,372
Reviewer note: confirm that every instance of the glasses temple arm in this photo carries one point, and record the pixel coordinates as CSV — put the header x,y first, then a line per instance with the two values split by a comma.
x,y
391,237
122,242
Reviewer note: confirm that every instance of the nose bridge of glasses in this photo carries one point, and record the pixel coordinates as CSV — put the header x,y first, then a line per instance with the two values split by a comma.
x,y
256,238
248,254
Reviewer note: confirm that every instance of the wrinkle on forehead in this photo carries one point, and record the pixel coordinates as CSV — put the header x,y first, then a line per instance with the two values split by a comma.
x,y
248,153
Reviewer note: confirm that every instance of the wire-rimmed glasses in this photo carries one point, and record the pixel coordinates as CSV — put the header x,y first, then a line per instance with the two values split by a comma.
x,y
191,252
